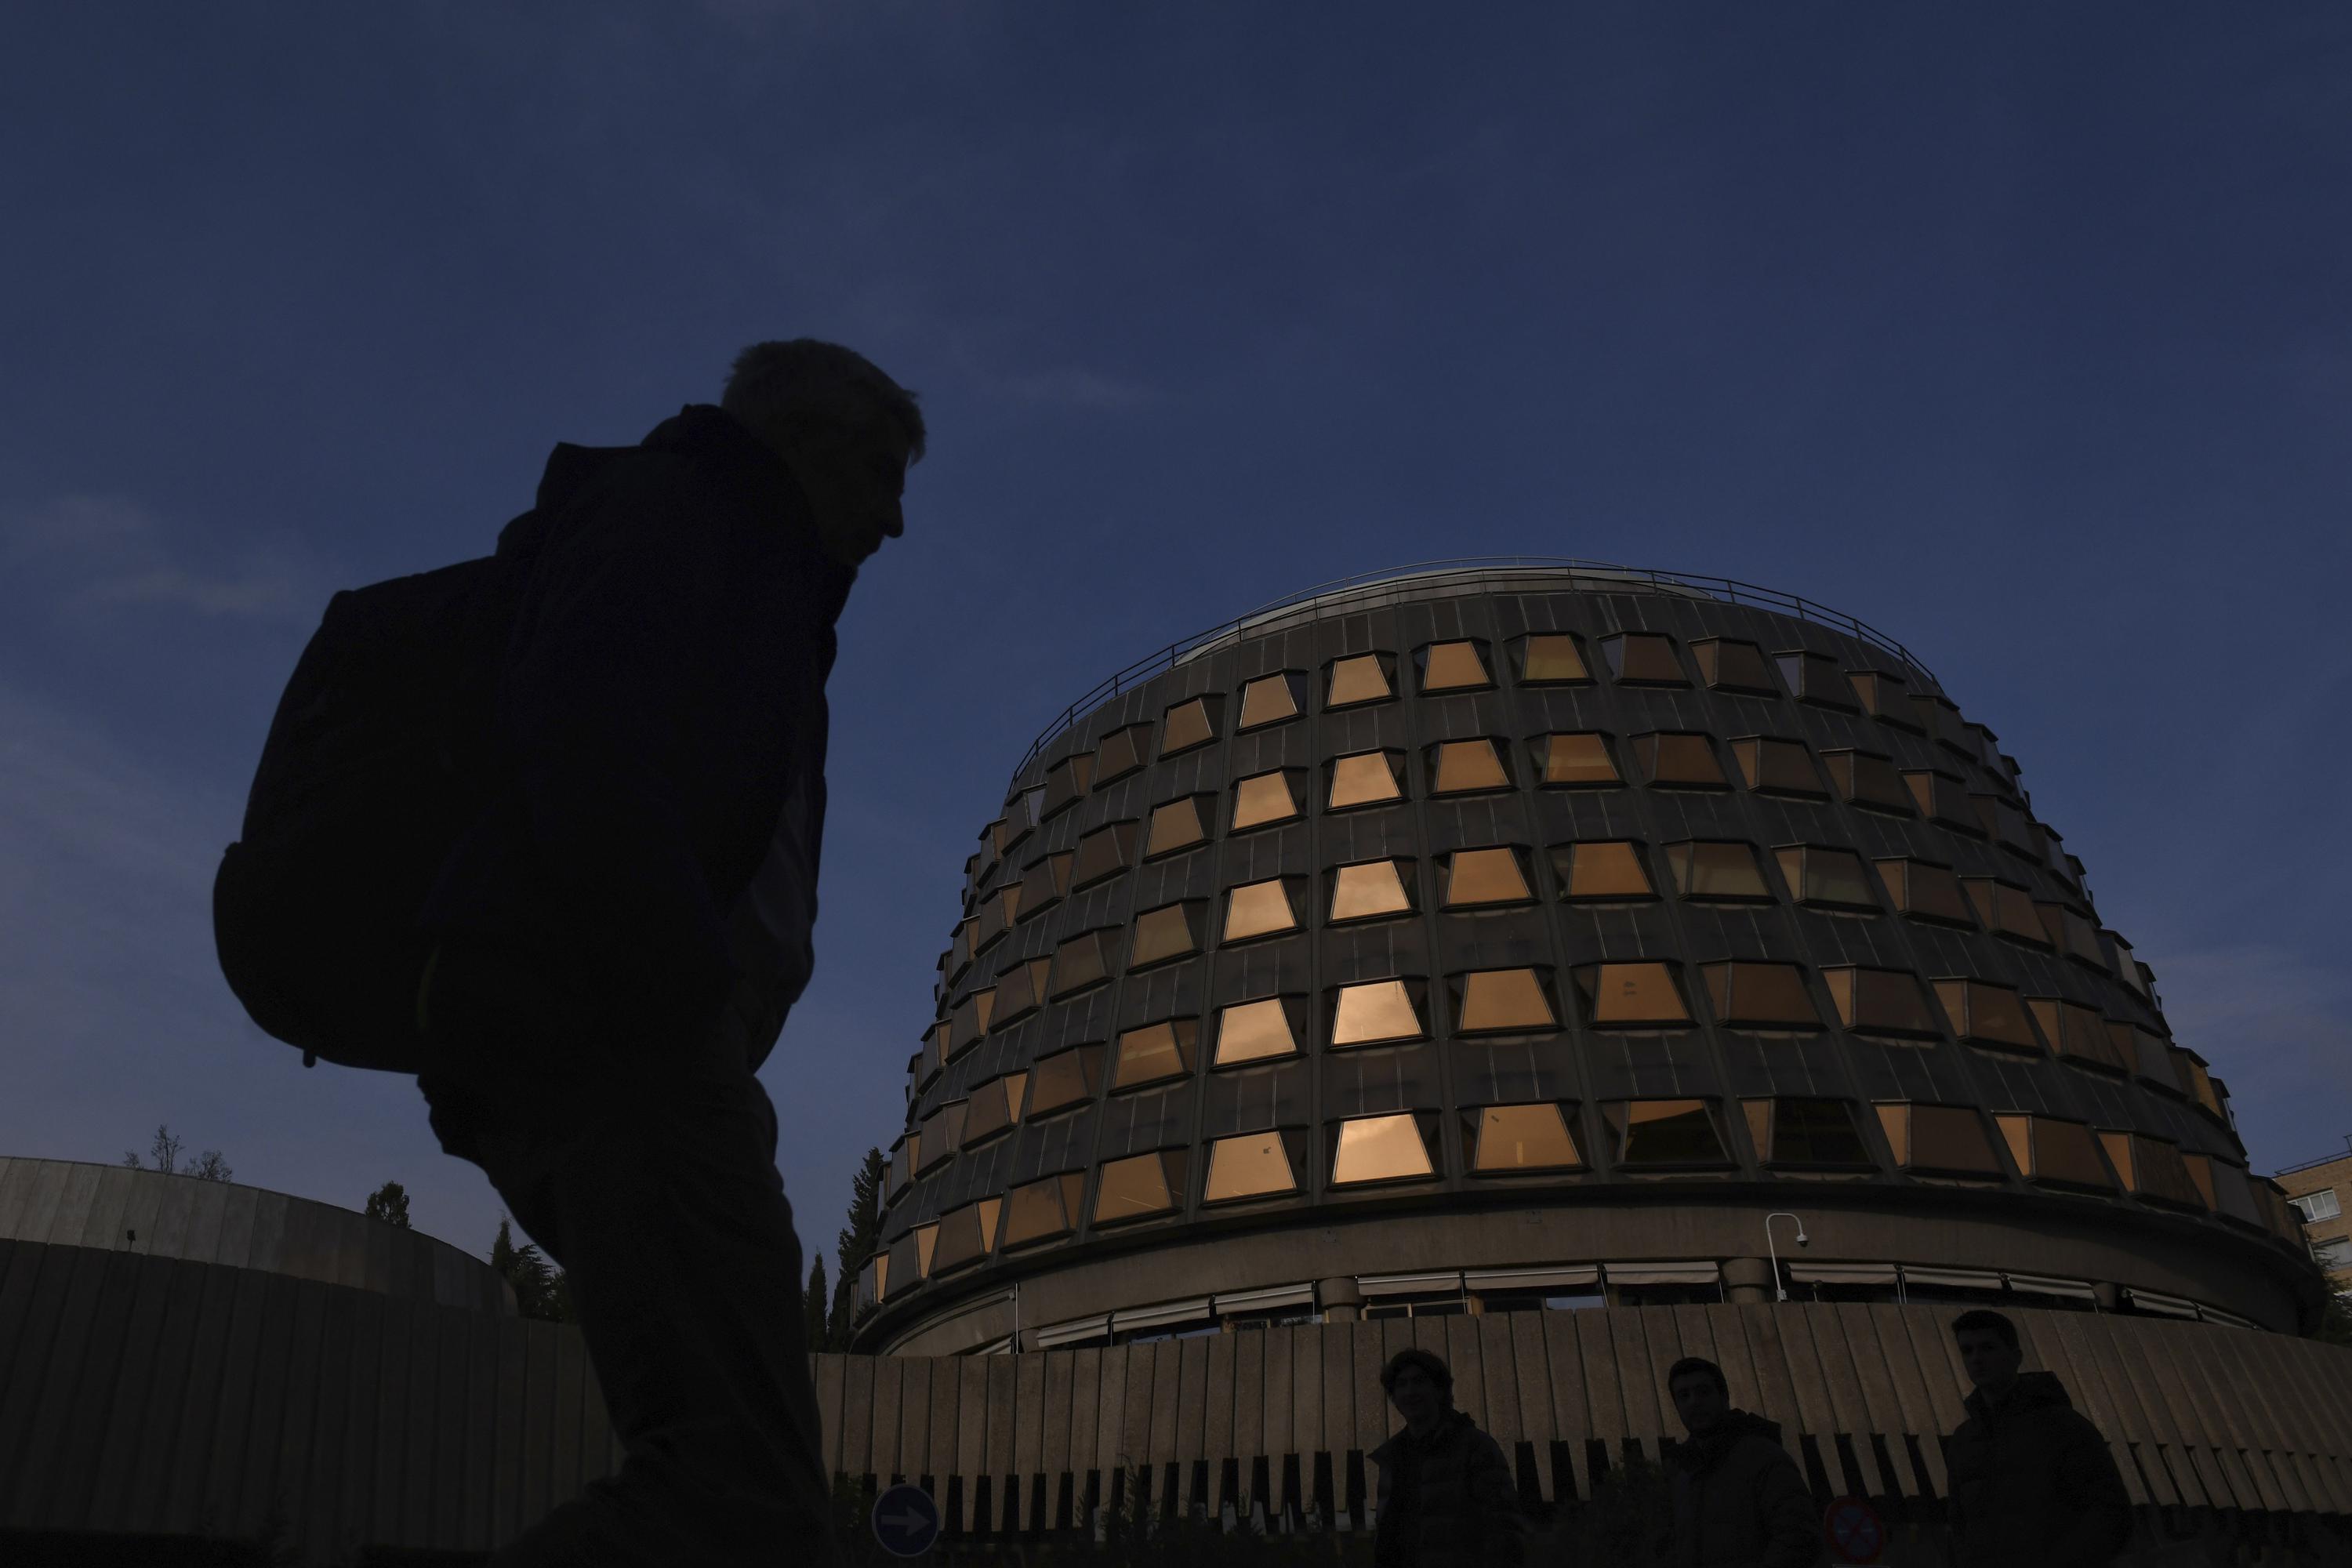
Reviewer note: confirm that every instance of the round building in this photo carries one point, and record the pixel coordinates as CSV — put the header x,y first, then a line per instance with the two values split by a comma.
x,y
1502,937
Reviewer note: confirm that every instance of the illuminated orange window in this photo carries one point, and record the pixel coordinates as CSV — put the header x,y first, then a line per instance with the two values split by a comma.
x,y
1140,1187
1170,931
1269,699
1375,1013
1466,767
1364,678
1176,827
1043,1210
1366,778
1064,1079
1475,878
1259,909
1104,852
1154,1052
1454,667
1630,995
1372,889
1644,659
1580,758
1255,1164
1607,868
1121,753
1188,724
1551,659
1255,1031
1264,799
2060,1152
1379,1149
1495,999
1509,1138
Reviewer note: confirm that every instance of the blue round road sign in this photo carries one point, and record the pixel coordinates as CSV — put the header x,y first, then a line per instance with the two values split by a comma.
x,y
1853,1530
905,1520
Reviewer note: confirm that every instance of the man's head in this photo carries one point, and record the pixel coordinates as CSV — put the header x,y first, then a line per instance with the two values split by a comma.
x,y
1418,1384
1988,1349
846,430
1699,1393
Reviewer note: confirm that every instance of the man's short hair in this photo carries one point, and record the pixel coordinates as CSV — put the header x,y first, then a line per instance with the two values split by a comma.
x,y
1981,1319
1691,1363
1435,1370
797,383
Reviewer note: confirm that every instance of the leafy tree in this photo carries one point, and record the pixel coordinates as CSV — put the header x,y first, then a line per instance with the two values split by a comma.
x,y
812,1307
541,1289
857,1241
389,1203
2335,1325
165,1153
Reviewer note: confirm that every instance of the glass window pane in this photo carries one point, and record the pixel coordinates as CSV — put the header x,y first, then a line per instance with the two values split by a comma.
x,y
1988,1014
2065,1152
1729,665
1463,766
1268,699
1678,761
1167,932
1885,1001
1667,1133
1484,877
1154,1052
1380,1149
1452,666
1248,1166
1868,780
1262,798
1259,909
1770,995
1364,779
1776,767
1829,876
1716,869
1034,1212
1043,883
1941,797
1175,825
1608,869
1063,1079
1815,677
1951,1138
1644,659
1362,679
1525,1138
1815,1132
1580,758
1132,1188
1369,890
1925,891
1503,999
1104,852
1121,753
1550,658
1253,1031
962,1239
1629,995
1187,725
1374,1012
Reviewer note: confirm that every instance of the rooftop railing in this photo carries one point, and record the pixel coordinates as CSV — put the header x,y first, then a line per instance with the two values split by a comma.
x,y
1604,577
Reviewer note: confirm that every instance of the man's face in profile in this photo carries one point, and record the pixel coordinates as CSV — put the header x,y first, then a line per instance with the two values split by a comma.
x,y
1991,1361
853,478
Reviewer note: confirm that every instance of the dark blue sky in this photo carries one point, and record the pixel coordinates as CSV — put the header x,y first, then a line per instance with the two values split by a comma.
x,y
2023,332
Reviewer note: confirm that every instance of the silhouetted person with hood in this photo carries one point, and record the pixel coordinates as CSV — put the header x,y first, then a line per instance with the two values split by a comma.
x,y
1740,1499
618,937
1446,1497
2033,1483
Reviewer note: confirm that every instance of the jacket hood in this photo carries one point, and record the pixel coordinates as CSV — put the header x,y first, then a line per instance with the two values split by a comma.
x,y
2031,1391
1700,1450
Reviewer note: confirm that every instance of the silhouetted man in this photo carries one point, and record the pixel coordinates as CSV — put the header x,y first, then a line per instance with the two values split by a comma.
x,y
1739,1500
1446,1499
2033,1483
623,929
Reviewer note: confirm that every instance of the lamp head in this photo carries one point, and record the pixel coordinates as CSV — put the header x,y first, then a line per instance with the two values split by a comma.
x,y
1802,1238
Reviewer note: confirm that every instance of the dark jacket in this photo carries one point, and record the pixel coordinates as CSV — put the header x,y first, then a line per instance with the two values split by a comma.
x,y
2033,1483
1447,1500
644,868
1739,1500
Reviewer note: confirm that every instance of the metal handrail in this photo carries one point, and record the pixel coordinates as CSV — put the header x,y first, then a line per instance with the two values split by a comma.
x,y
1728,589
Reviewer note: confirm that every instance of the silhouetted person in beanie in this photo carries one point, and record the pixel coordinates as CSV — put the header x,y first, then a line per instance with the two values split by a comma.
x,y
623,929
1739,1500
2033,1483
1446,1497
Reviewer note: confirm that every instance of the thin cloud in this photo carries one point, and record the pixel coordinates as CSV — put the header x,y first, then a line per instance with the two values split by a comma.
x,y
2277,1025
1076,387
94,553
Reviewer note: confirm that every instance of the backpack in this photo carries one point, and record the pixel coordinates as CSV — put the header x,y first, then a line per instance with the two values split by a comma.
x,y
373,766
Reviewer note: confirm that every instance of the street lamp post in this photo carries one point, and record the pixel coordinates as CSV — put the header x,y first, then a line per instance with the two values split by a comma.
x,y
1780,1292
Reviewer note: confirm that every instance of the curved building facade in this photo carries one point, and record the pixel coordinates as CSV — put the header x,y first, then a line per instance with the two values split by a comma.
x,y
1494,937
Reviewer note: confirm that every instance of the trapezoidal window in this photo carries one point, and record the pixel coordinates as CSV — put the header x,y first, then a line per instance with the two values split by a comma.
x,y
1815,677
1189,724
1167,933
994,1107
1988,1015
1458,666
1120,753
1502,1001
966,1235
2152,1169
970,1020
1925,891
2077,1033
1365,778
1371,890
1083,961
1104,853
1176,827
1064,1080
1577,760
1067,784
1665,1132
1681,760
1375,1013
1551,659
2071,933
1507,1138
1020,990
1947,1138
1630,995
1883,696
2005,826
942,1135
1759,996
1818,1133
1728,664
1868,780
1264,799
1359,679
1466,767
1254,1166
1479,878
1942,798
1717,871
1644,659
1827,879
2005,909
1154,1053
1141,1186
1045,883
1769,766
1879,1000
1379,1149
1254,1032
1601,870
1043,1210
1270,699
2061,1153
1258,909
